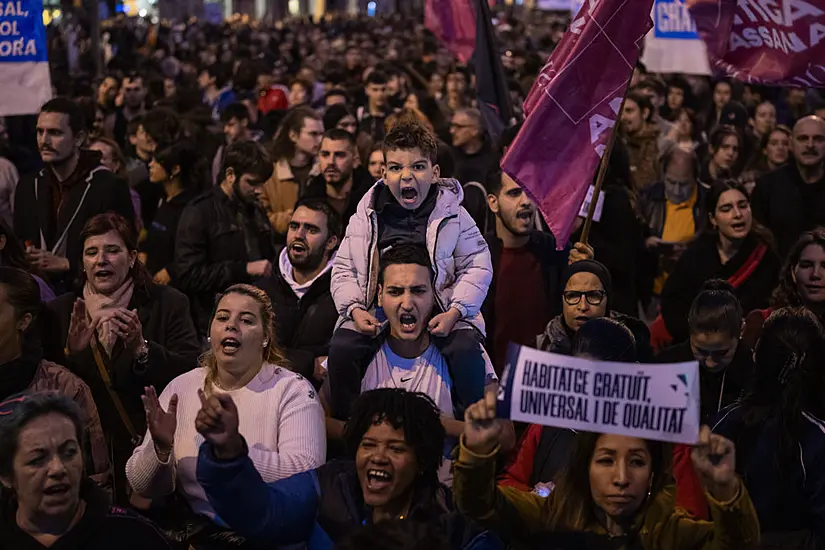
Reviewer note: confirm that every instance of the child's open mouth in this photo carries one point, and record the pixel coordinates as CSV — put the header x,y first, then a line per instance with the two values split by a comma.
x,y
409,195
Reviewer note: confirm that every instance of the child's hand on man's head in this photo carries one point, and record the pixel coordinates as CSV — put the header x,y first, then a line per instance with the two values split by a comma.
x,y
365,323
442,324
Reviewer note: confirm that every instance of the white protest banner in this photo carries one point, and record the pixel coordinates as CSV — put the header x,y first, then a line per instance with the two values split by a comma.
x,y
25,84
597,214
674,45
647,401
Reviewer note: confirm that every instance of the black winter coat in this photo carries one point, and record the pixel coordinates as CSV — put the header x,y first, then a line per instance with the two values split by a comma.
x,y
97,191
173,350
211,251
303,327
701,262
618,243
787,206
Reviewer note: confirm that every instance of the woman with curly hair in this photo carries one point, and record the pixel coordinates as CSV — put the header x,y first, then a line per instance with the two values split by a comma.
x,y
395,444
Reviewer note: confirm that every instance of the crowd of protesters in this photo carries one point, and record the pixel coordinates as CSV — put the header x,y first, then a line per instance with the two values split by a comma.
x,y
258,281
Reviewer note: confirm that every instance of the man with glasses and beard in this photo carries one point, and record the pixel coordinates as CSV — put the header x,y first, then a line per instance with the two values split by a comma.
x,y
299,287
224,236
526,271
342,181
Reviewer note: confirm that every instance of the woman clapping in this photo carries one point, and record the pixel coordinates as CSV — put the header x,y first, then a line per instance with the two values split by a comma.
x,y
120,333
280,416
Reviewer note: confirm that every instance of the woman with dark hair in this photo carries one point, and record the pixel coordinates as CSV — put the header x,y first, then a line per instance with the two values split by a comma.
x,y
724,147
801,284
774,151
685,132
725,364
120,332
12,254
281,419
22,367
395,445
375,162
733,247
615,491
182,172
112,157
779,430
544,450
47,500
587,294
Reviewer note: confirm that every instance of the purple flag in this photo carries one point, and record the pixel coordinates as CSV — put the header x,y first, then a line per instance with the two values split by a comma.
x,y
573,107
454,23
781,42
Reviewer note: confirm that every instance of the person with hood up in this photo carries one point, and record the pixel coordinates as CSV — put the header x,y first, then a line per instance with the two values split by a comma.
x,y
587,287
411,205
299,287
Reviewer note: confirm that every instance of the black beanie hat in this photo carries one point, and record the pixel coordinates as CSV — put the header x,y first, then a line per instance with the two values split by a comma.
x,y
589,266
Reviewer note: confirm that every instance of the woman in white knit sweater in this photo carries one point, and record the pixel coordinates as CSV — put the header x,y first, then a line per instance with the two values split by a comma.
x,y
280,415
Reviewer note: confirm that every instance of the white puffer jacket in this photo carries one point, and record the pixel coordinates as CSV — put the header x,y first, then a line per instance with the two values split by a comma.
x,y
458,253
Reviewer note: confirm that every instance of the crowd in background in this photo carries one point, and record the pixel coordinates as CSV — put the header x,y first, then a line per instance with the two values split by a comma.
x,y
258,280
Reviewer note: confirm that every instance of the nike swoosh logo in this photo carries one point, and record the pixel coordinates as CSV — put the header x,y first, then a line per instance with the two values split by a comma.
x,y
405,380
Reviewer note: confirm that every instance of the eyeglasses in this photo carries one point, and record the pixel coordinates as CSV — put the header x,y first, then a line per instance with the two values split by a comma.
x,y
593,297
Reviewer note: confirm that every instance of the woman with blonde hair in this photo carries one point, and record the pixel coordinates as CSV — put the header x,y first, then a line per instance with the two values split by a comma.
x,y
281,419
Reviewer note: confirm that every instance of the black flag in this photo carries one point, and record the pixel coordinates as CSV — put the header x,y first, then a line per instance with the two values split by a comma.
x,y
491,82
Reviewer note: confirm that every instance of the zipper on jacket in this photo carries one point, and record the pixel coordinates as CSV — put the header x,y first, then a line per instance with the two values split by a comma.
x,y
370,256
435,263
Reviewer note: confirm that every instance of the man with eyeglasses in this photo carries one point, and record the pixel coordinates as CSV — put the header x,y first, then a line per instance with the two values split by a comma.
x,y
474,155
586,291
672,213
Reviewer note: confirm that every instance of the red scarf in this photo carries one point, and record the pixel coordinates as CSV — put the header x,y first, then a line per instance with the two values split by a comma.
x,y
738,279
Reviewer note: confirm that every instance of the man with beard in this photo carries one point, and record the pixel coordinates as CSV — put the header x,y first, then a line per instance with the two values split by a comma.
x,y
224,236
342,181
299,287
408,357
52,206
526,271
791,199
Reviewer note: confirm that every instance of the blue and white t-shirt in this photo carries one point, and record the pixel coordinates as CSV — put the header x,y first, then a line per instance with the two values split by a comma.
x,y
427,373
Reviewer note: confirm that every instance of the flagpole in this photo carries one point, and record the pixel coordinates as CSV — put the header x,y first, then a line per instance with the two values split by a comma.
x,y
597,188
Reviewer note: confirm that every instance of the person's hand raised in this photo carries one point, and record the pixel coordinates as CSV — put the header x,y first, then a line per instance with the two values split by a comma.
x,y
579,252
714,459
481,427
218,422
161,424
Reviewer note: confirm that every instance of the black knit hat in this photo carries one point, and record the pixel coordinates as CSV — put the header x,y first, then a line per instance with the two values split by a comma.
x,y
589,266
